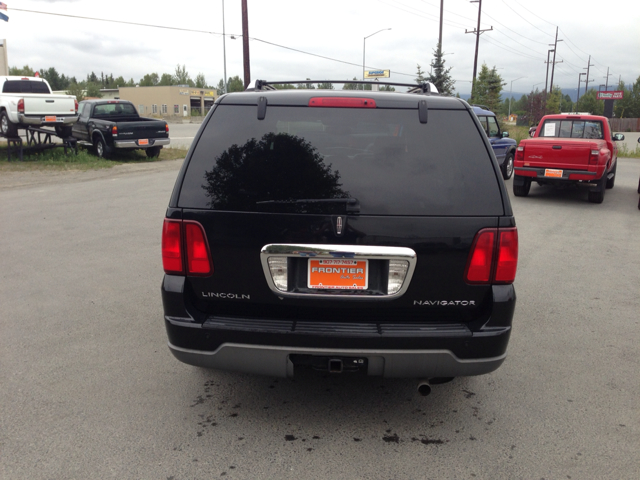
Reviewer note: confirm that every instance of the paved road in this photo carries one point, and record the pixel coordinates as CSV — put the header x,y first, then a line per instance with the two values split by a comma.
x,y
89,389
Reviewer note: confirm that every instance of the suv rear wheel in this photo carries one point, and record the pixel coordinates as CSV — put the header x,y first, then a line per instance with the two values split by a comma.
x,y
507,166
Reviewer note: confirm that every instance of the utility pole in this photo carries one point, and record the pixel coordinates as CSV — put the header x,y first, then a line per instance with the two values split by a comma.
x,y
546,77
477,32
578,97
441,13
606,85
245,45
555,48
586,82
224,52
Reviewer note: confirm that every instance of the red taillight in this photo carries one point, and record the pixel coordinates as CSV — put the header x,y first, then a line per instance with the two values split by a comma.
x,y
481,258
114,130
520,154
185,240
507,263
166,127
21,105
76,105
342,102
197,250
172,247
593,156
493,257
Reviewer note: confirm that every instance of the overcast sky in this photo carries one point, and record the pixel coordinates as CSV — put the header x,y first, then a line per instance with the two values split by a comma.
x,y
334,32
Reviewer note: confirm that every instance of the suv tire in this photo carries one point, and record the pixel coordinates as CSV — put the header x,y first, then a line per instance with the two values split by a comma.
x,y
507,166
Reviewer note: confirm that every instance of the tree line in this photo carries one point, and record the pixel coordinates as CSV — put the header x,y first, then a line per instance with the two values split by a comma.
x,y
487,90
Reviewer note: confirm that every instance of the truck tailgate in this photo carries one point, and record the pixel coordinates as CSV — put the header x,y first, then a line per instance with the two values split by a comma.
x,y
141,128
48,105
562,153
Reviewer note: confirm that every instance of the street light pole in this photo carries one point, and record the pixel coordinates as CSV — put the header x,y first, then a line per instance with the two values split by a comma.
x,y
224,52
364,44
511,90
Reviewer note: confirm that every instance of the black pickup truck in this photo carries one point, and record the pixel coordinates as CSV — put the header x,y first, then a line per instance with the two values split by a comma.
x,y
108,125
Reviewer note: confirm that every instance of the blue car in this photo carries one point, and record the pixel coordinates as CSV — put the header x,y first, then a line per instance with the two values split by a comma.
x,y
504,147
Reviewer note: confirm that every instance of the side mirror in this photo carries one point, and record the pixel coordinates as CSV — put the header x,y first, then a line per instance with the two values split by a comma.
x,y
505,134
618,137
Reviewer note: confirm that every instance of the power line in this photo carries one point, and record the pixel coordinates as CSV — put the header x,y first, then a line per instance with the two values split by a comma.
x,y
199,31
526,19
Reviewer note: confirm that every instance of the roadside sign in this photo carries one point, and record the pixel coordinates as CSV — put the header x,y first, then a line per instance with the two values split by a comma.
x,y
377,73
612,95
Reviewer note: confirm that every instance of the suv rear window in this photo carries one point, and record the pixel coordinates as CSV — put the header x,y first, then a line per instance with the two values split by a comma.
x,y
25,86
385,158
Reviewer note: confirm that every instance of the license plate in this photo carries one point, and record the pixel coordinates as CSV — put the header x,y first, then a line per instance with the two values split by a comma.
x,y
50,118
143,142
549,172
338,274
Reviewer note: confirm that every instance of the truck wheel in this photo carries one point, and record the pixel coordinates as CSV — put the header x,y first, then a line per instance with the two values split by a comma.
x,y
597,195
7,128
153,152
612,180
521,186
101,148
63,131
507,167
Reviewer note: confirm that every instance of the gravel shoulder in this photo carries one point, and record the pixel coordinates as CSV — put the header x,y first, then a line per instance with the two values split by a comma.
x,y
12,180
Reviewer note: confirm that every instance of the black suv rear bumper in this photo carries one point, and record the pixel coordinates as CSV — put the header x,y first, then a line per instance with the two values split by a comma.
x,y
390,349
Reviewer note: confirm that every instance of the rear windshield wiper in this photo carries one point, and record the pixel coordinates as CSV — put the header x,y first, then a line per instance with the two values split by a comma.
x,y
353,206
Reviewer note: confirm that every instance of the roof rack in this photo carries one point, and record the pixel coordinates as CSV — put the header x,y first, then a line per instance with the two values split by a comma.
x,y
419,88
484,107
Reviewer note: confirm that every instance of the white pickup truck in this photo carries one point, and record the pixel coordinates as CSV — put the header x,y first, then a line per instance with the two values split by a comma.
x,y
28,101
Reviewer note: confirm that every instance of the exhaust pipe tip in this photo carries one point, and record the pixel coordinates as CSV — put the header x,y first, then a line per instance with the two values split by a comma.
x,y
424,388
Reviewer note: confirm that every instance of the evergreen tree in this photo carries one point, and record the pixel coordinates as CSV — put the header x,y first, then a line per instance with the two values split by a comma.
x,y
420,75
325,86
488,88
439,75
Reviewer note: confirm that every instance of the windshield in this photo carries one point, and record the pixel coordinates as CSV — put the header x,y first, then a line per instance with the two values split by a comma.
x,y
386,159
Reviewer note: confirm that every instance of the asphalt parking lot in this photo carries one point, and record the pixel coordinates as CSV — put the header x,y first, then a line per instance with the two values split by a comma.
x,y
90,390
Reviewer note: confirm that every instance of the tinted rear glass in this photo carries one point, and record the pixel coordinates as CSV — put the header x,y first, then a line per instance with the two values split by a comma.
x,y
386,159
25,86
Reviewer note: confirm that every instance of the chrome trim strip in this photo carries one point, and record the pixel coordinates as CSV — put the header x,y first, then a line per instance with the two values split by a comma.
x,y
362,252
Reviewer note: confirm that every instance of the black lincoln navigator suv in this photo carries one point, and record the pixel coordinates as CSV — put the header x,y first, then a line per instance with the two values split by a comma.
x,y
343,231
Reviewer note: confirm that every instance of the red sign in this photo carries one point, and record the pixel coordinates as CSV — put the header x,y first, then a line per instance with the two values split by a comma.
x,y
613,95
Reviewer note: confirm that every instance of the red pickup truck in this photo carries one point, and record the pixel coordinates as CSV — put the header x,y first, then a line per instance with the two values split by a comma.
x,y
578,149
